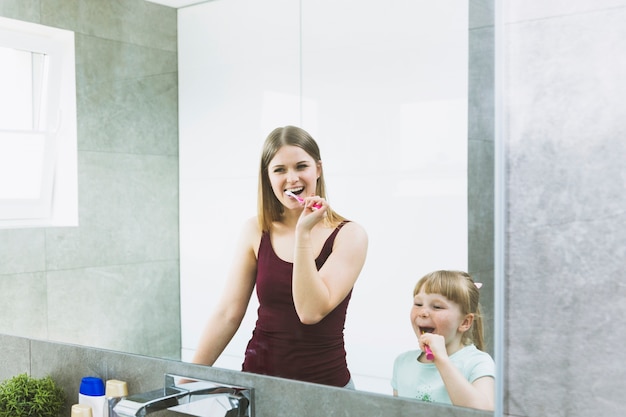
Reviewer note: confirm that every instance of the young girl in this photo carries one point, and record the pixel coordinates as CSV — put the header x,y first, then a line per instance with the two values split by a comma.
x,y
450,366
303,258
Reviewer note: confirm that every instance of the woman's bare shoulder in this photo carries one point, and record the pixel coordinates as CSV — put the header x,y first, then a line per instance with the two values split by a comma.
x,y
251,232
353,231
353,226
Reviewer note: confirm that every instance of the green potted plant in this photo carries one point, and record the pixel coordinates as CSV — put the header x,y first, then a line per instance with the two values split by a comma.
x,y
25,396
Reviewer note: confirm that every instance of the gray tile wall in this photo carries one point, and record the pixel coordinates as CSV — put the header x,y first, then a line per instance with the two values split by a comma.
x,y
273,397
480,157
112,282
566,241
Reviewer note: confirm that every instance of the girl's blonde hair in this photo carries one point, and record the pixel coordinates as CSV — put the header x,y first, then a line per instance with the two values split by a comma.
x,y
269,209
459,287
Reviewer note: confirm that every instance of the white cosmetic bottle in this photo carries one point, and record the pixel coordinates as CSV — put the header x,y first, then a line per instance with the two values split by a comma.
x,y
92,394
115,391
81,410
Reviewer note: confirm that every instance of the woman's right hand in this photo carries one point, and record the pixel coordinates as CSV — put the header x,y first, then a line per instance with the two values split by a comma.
x,y
314,210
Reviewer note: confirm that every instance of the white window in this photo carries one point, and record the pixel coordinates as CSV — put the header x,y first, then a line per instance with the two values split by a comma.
x,y
38,163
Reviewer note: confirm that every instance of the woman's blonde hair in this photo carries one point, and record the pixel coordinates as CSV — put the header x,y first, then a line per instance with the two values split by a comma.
x,y
459,287
269,208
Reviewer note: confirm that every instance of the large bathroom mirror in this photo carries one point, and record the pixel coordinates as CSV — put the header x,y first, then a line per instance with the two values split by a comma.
x,y
385,89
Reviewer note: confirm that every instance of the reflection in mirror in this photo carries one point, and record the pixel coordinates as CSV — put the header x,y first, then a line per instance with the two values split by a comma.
x,y
386,101
369,149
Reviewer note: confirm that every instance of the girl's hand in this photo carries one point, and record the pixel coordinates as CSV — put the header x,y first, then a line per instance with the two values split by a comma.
x,y
435,342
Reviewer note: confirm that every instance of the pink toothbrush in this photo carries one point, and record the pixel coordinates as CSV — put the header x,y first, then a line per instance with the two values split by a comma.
x,y
300,199
429,353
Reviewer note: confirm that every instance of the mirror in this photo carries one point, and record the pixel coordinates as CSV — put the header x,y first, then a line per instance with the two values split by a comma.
x,y
309,73
386,97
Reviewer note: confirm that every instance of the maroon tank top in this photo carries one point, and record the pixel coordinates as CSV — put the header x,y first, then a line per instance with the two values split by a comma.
x,y
281,345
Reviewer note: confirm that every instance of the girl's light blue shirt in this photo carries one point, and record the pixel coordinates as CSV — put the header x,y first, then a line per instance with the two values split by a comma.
x,y
422,381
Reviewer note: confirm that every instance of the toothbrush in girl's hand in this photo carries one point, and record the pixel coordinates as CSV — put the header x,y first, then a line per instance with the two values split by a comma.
x,y
300,199
429,353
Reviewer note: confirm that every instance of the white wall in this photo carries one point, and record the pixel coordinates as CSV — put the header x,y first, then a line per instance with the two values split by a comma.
x,y
382,86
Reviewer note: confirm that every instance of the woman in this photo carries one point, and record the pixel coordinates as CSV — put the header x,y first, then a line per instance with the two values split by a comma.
x,y
304,259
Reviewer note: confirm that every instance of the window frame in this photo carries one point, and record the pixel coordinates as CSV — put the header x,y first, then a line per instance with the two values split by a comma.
x,y
58,201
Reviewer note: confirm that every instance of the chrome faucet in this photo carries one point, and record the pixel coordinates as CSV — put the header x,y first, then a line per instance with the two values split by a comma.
x,y
189,396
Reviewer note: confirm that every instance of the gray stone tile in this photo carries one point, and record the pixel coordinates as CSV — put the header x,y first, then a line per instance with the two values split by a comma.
x,y
128,213
486,277
22,250
130,308
565,207
481,13
481,228
137,115
480,205
563,319
106,61
134,21
67,365
273,397
481,84
481,157
24,305
15,358
27,10
564,127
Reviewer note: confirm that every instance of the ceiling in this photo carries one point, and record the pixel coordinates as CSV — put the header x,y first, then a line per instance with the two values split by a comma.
x,y
177,3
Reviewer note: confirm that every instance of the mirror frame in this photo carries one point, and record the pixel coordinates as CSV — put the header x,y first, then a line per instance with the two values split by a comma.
x,y
499,206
